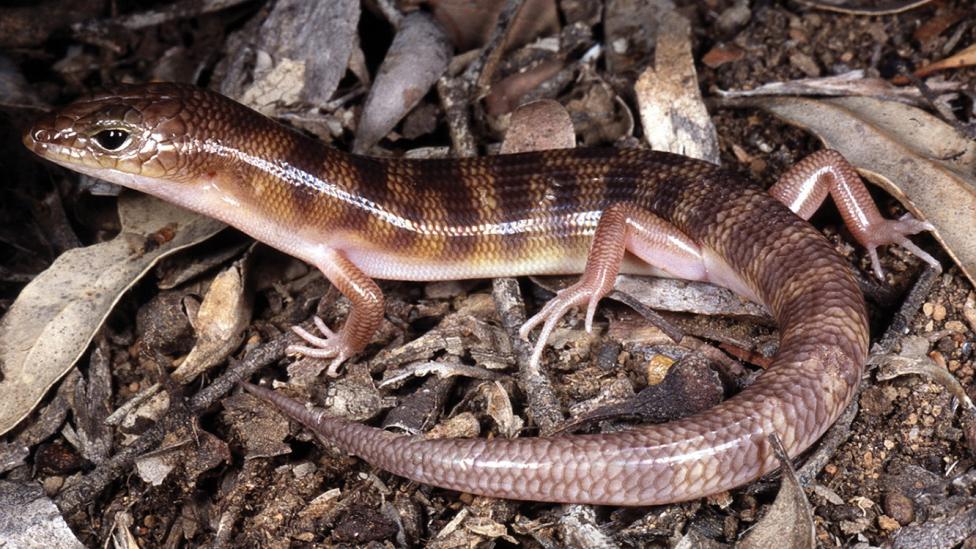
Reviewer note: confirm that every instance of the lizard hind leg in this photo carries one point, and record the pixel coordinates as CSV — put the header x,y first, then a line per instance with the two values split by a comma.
x,y
621,228
806,185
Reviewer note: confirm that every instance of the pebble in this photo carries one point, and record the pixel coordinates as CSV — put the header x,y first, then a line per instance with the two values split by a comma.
x,y
898,507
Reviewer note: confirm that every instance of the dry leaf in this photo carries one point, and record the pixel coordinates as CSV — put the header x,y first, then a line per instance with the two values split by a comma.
x,y
921,160
672,112
302,47
220,323
789,521
850,83
499,407
29,519
913,359
55,317
507,94
965,58
866,7
469,24
417,58
722,54
685,296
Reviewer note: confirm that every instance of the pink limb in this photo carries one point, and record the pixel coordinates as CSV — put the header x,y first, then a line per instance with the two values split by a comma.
x,y
364,317
805,186
621,228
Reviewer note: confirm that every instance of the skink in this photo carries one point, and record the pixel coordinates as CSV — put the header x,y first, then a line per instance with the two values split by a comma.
x,y
592,211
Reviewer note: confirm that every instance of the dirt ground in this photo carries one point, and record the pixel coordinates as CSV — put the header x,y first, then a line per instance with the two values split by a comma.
x,y
212,466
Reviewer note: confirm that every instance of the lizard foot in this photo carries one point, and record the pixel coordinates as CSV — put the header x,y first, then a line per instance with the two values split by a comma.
x,y
896,231
332,345
586,290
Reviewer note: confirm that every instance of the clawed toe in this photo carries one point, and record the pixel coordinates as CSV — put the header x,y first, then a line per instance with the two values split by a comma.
x,y
896,231
332,346
554,310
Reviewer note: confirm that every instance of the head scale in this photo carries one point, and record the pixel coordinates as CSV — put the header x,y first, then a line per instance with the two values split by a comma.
x,y
127,134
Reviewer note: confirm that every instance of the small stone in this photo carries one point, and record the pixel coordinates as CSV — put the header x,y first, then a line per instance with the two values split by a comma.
x,y
955,326
805,63
52,484
939,313
899,508
720,55
887,523
928,309
657,369
734,18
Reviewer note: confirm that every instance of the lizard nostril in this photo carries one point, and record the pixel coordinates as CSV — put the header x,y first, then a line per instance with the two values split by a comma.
x,y
41,135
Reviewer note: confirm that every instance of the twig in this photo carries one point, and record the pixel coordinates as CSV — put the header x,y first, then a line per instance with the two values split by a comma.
x,y
543,407
88,487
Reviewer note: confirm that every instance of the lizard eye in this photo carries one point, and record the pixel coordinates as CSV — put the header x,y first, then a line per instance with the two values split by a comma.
x,y
112,140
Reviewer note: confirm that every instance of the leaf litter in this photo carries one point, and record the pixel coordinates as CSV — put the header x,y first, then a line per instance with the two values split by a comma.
x,y
472,343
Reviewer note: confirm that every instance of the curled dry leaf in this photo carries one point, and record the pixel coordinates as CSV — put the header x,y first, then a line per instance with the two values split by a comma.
x,y
849,83
507,93
965,58
499,407
672,112
789,521
443,370
55,317
866,7
463,425
463,332
220,323
417,58
914,359
919,159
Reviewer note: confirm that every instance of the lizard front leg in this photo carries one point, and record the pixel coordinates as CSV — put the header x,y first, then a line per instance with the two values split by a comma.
x,y
364,317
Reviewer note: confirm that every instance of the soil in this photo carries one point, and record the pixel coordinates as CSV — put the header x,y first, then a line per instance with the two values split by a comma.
x,y
243,477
